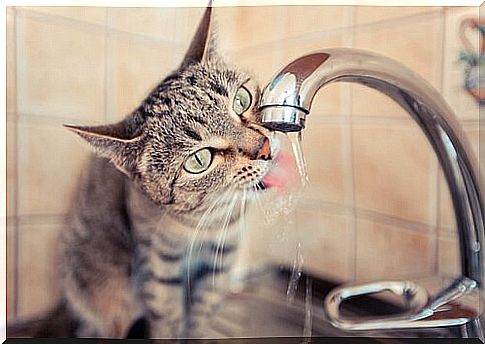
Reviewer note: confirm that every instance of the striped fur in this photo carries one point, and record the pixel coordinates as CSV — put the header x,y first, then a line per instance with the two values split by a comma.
x,y
145,238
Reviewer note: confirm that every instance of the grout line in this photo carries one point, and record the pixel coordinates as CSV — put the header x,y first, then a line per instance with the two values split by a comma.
x,y
16,239
41,219
48,119
91,26
106,62
404,224
336,30
341,209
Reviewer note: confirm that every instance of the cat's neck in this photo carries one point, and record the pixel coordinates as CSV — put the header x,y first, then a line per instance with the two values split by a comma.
x,y
147,219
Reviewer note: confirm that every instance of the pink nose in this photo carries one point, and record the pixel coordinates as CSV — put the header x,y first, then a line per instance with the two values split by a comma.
x,y
263,151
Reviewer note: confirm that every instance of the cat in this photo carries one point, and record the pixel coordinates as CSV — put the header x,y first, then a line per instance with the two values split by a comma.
x,y
155,225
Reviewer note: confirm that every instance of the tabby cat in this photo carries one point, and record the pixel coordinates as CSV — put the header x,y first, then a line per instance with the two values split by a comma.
x,y
160,205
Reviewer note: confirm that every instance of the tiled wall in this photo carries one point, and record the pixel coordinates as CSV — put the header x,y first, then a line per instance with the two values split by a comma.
x,y
376,205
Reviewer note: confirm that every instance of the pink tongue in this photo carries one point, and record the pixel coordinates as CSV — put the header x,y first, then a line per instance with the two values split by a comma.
x,y
282,173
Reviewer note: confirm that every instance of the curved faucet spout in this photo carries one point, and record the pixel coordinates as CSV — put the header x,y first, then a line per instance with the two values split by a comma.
x,y
287,99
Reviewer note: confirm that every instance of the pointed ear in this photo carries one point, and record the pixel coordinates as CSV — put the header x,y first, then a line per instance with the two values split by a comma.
x,y
114,143
202,44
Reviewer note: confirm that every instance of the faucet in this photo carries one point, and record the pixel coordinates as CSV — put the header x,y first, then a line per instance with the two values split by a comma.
x,y
285,104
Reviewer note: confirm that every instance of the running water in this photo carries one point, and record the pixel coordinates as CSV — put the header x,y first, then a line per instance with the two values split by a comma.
x,y
295,274
296,145
296,139
307,329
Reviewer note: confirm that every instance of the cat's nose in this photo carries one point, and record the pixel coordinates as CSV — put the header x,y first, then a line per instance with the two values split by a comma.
x,y
263,151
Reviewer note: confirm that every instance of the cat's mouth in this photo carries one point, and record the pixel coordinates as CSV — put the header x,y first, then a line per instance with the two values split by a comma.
x,y
280,174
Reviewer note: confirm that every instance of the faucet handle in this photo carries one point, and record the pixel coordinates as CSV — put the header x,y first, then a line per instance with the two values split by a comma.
x,y
423,311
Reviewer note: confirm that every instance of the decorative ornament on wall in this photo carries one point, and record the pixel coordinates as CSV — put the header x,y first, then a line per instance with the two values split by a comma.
x,y
474,60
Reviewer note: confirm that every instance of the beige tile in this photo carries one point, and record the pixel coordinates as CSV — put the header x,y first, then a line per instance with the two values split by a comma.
x,y
187,20
369,102
243,25
92,14
10,74
461,102
394,171
416,44
159,23
61,70
38,279
262,65
137,67
324,149
11,293
11,168
448,255
50,163
327,243
386,252
301,20
446,213
370,14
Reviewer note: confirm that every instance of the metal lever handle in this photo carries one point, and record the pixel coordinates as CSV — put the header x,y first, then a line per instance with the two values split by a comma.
x,y
422,312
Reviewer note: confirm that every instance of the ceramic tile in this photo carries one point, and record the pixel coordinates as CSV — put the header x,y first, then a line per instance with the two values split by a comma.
x,y
448,255
38,279
10,72
61,70
158,23
324,149
327,243
394,171
51,160
387,252
301,20
92,14
416,44
137,66
11,168
372,14
243,25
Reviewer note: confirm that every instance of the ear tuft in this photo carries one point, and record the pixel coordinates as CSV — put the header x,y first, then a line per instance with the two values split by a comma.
x,y
108,142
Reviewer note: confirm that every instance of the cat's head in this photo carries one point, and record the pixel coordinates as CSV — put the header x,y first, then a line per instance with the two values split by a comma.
x,y
196,136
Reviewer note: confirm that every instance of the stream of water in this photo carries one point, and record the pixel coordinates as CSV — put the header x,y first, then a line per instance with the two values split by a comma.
x,y
296,272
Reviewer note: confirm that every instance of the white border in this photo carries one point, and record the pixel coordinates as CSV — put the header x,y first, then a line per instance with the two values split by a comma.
x,y
224,3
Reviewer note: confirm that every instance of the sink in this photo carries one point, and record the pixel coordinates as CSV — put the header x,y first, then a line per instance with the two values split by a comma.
x,y
262,309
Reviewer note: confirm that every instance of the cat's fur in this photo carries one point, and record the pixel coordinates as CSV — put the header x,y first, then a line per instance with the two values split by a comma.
x,y
145,238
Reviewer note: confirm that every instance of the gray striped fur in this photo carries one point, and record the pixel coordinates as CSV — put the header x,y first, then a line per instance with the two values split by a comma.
x,y
145,238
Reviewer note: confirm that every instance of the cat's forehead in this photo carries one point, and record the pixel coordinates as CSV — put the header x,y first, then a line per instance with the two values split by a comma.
x,y
202,91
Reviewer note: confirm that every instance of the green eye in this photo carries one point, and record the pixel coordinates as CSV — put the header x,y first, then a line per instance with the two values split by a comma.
x,y
242,101
199,161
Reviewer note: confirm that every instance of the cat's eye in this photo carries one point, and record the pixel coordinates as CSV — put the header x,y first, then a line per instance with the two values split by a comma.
x,y
199,161
242,101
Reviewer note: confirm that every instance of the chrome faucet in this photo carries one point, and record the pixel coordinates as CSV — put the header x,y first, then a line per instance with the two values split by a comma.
x,y
286,102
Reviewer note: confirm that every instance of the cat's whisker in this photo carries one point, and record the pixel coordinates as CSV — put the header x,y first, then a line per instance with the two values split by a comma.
x,y
201,226
222,236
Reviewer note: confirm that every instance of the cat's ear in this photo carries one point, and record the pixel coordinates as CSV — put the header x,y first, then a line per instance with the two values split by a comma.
x,y
203,43
114,142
